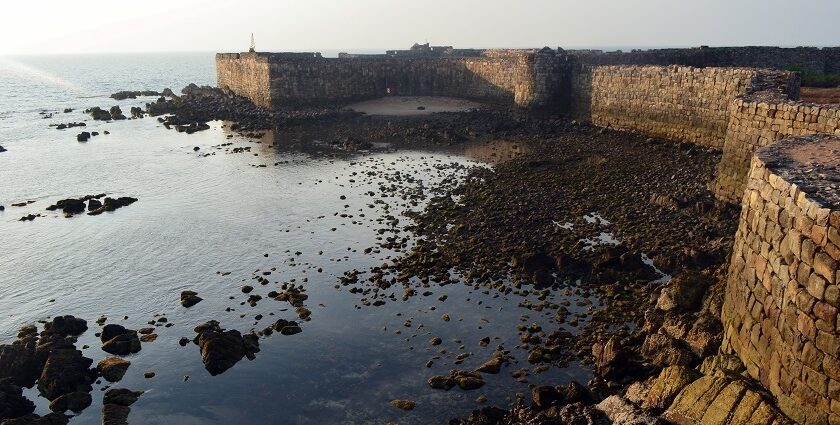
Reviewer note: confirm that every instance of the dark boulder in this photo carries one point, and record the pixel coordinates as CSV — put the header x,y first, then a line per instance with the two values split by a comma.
x,y
12,402
75,401
533,262
68,206
111,204
286,327
545,396
94,204
83,136
118,340
133,94
111,330
20,362
99,114
121,396
116,113
66,325
65,371
190,298
2,149
221,349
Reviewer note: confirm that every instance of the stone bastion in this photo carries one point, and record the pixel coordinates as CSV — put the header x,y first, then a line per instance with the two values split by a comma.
x,y
782,296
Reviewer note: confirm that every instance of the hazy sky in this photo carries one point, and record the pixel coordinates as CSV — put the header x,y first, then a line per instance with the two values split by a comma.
x,y
61,26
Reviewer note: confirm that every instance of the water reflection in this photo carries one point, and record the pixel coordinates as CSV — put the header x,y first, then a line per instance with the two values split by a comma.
x,y
210,224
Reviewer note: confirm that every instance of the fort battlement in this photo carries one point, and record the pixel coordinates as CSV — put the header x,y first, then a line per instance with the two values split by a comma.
x,y
780,312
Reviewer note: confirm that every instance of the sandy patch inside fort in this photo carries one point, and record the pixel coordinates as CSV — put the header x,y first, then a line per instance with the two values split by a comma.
x,y
413,105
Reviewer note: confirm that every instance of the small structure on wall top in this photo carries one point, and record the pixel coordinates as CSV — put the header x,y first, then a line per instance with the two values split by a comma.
x,y
253,46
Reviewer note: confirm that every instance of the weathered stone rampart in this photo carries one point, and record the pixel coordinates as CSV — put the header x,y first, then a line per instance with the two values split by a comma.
x,y
780,312
245,74
673,102
526,78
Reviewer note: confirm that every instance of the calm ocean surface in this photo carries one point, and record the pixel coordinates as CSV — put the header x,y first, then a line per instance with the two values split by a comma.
x,y
197,216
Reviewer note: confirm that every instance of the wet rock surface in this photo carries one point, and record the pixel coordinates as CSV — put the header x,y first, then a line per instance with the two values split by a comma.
x,y
93,204
190,298
134,94
115,405
116,339
113,368
222,349
50,360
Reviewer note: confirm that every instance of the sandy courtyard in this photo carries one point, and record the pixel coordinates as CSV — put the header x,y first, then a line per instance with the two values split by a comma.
x,y
413,105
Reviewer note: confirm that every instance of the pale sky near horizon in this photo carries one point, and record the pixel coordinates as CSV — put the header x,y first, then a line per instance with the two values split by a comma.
x,y
88,26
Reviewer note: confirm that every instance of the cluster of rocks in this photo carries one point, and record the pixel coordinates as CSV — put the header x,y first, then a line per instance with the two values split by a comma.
x,y
73,206
99,114
63,375
197,105
85,135
134,94
91,203
113,204
63,126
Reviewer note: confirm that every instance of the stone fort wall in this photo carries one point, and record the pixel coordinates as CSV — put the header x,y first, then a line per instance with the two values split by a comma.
x,y
246,74
672,102
526,78
780,311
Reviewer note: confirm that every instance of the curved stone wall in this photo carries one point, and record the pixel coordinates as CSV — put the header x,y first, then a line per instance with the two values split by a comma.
x,y
672,102
781,304
758,120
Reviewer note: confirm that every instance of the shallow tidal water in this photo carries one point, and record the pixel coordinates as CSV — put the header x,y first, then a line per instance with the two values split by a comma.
x,y
205,223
